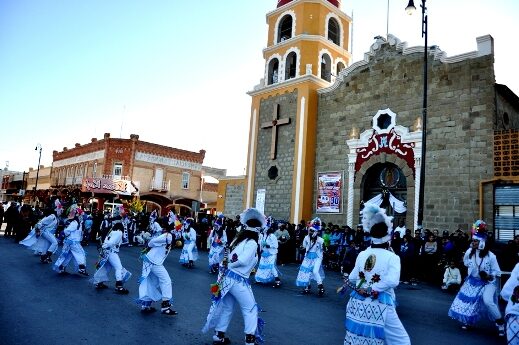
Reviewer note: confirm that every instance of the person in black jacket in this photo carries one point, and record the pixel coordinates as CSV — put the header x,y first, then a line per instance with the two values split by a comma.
x,y
10,218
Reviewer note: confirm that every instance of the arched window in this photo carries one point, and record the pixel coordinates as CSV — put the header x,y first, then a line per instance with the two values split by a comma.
x,y
340,67
273,76
334,34
285,29
290,66
326,67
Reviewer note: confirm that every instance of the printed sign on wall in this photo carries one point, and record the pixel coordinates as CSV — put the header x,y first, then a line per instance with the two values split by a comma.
x,y
260,200
329,187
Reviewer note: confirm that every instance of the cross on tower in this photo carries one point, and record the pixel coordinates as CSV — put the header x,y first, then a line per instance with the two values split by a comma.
x,y
274,124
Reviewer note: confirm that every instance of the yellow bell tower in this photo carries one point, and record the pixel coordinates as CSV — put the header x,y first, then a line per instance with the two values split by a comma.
x,y
308,45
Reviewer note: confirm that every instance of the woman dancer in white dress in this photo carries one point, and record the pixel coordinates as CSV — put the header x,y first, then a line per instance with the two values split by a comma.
x,y
267,271
217,243
510,293
311,267
480,286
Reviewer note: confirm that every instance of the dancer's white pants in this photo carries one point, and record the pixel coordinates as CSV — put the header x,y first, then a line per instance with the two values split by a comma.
x,y
242,294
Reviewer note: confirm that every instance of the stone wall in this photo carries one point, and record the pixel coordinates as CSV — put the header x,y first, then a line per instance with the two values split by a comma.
x,y
279,190
461,110
233,200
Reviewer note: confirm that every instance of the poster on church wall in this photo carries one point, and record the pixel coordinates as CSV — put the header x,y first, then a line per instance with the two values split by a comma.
x,y
260,200
329,187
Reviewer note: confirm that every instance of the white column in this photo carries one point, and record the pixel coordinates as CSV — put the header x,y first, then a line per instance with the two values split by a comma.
x,y
351,176
252,146
299,160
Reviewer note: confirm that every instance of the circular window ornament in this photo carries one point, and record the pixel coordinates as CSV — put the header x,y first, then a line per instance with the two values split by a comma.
x,y
273,172
384,121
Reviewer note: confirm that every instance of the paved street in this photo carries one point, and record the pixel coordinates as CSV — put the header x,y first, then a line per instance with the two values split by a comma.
x,y
40,307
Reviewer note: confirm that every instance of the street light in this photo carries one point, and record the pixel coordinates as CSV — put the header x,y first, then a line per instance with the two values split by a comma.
x,y
38,147
410,9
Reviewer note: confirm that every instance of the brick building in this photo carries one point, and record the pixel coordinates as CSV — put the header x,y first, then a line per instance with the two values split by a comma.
x,y
327,137
114,168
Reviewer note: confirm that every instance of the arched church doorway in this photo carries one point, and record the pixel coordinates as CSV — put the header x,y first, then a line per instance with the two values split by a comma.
x,y
385,184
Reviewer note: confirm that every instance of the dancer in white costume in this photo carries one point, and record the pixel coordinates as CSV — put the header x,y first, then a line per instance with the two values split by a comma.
x,y
510,293
267,271
155,283
189,253
217,243
480,286
109,259
311,267
42,239
233,283
72,244
374,277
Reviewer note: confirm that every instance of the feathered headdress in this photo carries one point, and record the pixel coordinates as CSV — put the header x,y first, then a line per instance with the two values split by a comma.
x,y
379,225
315,224
479,232
253,214
74,211
218,223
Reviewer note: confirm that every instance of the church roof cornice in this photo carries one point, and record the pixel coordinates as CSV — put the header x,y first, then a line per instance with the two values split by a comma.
x,y
287,84
305,37
485,46
327,4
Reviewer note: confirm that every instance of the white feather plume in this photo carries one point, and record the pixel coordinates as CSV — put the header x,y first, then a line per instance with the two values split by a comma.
x,y
372,214
252,213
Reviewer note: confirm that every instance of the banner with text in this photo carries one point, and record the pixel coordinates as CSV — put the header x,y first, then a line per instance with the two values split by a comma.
x,y
109,186
329,192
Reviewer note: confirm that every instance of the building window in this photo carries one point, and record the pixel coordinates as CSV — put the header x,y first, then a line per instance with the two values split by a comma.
x,y
285,29
273,76
333,31
326,67
185,180
118,169
340,67
290,66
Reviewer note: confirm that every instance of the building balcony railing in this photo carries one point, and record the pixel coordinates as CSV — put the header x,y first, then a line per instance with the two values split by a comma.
x,y
159,186
117,177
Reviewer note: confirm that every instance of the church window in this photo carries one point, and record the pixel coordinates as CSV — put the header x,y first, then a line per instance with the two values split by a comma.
x,y
185,180
326,67
273,172
290,66
340,67
384,121
273,75
285,29
334,31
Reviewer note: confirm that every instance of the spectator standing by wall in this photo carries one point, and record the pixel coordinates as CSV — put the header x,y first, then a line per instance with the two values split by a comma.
x,y
299,236
283,237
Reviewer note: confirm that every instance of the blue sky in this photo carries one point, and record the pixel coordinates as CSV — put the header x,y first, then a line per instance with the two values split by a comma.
x,y
176,72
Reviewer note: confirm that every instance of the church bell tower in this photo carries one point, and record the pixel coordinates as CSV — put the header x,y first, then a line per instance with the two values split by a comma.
x,y
308,45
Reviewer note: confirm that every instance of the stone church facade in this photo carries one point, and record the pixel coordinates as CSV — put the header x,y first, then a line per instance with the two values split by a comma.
x,y
357,130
